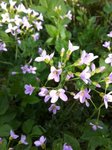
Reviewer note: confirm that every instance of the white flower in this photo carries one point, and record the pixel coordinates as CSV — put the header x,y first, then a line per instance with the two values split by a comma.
x,y
55,74
69,15
5,17
56,94
3,5
72,48
108,60
44,57
110,34
11,29
40,17
12,3
38,25
21,8
107,98
26,23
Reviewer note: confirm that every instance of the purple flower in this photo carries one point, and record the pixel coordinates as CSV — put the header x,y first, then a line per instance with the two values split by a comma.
x,y
13,135
95,126
67,147
106,44
53,108
35,36
25,69
107,98
2,46
110,34
29,89
108,60
69,75
23,140
32,70
56,94
55,74
38,25
83,95
86,58
44,93
40,142
1,140
85,75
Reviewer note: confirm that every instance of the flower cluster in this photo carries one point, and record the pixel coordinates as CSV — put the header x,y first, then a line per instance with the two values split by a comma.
x,y
60,72
20,20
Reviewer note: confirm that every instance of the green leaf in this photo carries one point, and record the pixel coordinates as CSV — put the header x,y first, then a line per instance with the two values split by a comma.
x,y
95,142
58,144
4,104
27,126
71,141
52,30
4,130
7,117
36,131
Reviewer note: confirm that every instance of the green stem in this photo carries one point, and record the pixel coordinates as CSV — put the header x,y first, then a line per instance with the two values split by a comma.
x,y
8,63
31,2
93,104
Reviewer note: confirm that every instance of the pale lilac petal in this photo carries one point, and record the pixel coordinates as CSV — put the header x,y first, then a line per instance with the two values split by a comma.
x,y
54,99
37,143
63,96
39,59
42,139
52,93
46,99
51,76
56,78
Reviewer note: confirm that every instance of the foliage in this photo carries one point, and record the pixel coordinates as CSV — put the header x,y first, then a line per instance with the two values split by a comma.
x,y
50,90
